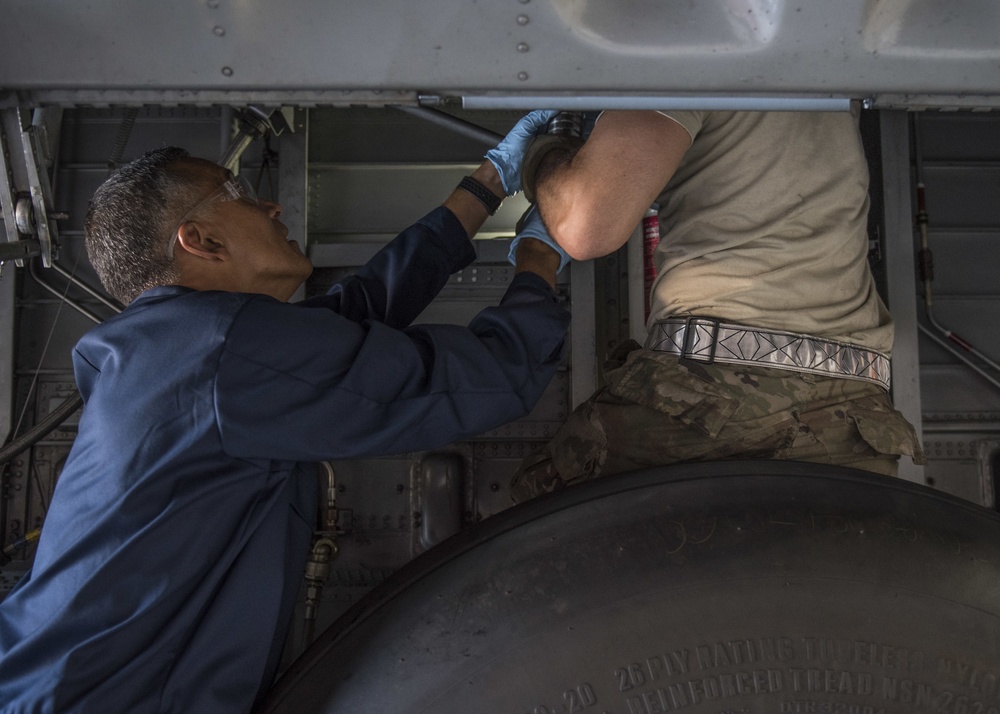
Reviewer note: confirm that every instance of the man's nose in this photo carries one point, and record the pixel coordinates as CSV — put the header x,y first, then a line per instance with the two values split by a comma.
x,y
272,208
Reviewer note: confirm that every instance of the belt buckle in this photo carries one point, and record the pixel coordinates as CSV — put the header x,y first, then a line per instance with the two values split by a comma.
x,y
690,327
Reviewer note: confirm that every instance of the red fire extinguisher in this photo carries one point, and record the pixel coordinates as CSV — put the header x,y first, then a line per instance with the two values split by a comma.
x,y
650,239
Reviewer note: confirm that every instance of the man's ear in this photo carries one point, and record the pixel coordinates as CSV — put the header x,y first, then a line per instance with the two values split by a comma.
x,y
196,240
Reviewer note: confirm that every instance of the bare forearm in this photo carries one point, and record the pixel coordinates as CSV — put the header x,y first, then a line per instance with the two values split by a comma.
x,y
534,256
575,207
469,210
589,204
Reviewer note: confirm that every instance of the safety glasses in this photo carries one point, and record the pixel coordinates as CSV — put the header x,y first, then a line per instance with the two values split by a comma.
x,y
235,189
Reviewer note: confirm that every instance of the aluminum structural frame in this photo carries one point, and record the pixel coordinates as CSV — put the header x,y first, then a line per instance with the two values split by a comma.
x,y
26,191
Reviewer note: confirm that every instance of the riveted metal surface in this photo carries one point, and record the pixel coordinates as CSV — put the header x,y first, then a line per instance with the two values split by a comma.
x,y
311,49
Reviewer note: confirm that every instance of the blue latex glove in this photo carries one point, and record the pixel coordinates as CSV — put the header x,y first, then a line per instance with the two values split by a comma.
x,y
509,153
531,226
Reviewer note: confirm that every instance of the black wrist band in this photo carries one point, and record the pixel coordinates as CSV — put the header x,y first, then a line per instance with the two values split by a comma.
x,y
485,196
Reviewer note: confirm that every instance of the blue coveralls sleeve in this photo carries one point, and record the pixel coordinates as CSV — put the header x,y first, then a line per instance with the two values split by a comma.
x,y
398,282
301,382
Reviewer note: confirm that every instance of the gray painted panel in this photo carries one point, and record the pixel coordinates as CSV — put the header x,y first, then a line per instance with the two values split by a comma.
x,y
47,333
957,476
963,263
962,195
88,134
958,136
385,198
851,47
387,134
954,392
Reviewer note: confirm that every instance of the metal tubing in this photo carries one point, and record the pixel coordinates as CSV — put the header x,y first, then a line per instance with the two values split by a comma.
x,y
86,288
79,308
43,428
583,103
455,124
944,344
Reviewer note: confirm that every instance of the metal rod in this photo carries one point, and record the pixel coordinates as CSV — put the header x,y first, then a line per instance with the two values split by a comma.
x,y
592,102
944,344
79,308
455,124
86,288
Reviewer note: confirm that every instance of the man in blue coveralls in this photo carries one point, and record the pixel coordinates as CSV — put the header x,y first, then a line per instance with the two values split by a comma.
x,y
165,578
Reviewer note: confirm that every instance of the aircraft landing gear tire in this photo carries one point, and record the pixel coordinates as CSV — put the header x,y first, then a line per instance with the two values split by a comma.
x,y
714,588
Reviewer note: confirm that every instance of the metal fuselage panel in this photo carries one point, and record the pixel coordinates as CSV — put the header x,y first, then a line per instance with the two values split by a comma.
x,y
898,52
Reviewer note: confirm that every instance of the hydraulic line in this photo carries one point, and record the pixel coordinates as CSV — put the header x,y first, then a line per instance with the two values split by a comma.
x,y
453,123
926,263
958,355
42,428
76,306
28,538
323,551
86,288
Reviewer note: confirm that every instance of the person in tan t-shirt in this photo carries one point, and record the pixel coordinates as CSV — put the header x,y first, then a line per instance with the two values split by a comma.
x,y
766,336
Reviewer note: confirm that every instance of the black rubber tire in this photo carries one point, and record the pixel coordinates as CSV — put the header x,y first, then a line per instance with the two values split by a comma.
x,y
716,588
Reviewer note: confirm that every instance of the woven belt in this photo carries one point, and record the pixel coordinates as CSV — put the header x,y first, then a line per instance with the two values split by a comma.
x,y
703,339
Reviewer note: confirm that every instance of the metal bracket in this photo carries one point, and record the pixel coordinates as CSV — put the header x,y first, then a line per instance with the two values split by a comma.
x,y
28,215
253,123
18,250
7,192
41,195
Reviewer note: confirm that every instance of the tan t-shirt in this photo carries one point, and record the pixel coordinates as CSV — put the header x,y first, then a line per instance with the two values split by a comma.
x,y
765,224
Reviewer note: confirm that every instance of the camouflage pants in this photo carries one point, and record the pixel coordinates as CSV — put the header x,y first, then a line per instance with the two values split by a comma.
x,y
657,409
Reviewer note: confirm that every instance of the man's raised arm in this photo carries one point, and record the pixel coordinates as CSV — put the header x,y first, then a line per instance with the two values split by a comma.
x,y
592,197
